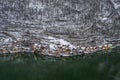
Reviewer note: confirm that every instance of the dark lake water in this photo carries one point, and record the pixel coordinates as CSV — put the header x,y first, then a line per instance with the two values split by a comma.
x,y
98,66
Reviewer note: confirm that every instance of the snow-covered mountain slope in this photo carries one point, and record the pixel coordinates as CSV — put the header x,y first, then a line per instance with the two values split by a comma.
x,y
81,22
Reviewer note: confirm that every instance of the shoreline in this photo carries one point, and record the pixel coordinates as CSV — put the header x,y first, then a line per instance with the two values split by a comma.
x,y
52,54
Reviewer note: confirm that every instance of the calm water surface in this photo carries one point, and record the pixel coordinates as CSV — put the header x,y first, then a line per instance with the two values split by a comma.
x,y
99,66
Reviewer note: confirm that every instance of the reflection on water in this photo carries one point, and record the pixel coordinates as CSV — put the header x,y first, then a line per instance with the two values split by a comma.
x,y
33,57
5,58
105,66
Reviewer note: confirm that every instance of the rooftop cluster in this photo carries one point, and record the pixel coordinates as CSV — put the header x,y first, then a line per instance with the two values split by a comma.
x,y
55,47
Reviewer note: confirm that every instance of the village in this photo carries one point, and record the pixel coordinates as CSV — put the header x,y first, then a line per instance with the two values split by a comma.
x,y
55,47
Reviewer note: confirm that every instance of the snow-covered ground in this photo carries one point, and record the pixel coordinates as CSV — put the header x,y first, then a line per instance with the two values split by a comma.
x,y
54,41
116,3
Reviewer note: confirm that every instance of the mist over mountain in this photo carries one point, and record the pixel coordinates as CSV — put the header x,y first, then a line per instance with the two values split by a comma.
x,y
81,22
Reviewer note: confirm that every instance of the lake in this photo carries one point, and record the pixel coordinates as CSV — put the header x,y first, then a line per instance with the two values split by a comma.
x,y
97,66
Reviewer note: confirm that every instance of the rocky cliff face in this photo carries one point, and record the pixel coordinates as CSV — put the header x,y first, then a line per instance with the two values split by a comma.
x,y
81,22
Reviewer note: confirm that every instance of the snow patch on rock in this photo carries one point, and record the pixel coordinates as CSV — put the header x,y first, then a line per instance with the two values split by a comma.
x,y
116,4
36,5
54,41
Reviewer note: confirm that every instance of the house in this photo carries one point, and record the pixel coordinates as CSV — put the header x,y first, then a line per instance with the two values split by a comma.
x,y
67,51
5,50
15,49
1,51
27,49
